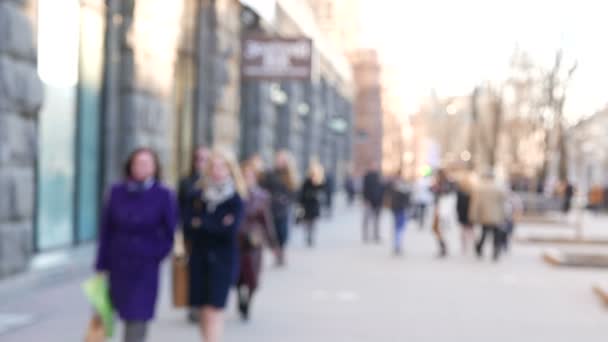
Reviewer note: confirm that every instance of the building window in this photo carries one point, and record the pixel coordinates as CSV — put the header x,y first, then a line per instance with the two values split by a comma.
x,y
70,64
88,145
58,28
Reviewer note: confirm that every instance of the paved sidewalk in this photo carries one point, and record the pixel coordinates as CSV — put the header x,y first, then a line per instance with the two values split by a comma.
x,y
345,291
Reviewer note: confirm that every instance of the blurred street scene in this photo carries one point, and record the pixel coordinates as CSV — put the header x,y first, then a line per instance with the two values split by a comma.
x,y
376,296
291,170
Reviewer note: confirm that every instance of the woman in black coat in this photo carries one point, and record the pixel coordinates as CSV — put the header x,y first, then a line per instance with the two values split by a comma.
x,y
463,202
190,204
310,200
281,183
214,261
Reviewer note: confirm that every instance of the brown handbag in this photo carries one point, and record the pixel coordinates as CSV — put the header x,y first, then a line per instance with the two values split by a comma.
x,y
180,280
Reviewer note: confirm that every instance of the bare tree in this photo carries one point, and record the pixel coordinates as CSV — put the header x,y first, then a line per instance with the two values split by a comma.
x,y
486,126
555,95
542,93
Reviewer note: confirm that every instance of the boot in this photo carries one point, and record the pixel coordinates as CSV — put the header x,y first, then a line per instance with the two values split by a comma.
x,y
244,299
443,250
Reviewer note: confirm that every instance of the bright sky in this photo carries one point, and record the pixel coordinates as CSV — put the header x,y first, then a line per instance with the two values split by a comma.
x,y
451,45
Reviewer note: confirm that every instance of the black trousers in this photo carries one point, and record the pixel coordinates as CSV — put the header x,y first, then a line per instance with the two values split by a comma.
x,y
498,237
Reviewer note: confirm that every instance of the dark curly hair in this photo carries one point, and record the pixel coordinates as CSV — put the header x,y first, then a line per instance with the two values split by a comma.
x,y
129,164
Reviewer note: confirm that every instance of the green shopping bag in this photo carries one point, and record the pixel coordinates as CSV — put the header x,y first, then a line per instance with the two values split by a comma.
x,y
96,290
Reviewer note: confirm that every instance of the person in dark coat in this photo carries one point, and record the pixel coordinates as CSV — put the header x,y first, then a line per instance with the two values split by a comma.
x,y
189,203
256,231
464,187
282,185
373,195
350,188
310,200
568,195
214,260
400,198
329,189
136,234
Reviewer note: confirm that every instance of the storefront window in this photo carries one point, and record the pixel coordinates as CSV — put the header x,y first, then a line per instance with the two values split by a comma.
x,y
92,30
58,68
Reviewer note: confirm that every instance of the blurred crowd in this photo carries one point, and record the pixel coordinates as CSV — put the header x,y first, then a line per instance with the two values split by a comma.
x,y
226,213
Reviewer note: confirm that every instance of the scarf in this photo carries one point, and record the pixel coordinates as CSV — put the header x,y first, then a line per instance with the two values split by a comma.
x,y
218,193
140,186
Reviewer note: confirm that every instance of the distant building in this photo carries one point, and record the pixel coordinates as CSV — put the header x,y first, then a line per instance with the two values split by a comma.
x,y
368,110
588,152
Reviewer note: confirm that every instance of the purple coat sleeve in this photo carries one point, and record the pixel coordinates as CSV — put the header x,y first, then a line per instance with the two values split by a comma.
x,y
170,218
105,235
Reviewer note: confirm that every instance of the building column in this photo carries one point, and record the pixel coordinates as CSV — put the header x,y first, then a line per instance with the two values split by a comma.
x,y
21,96
139,77
226,75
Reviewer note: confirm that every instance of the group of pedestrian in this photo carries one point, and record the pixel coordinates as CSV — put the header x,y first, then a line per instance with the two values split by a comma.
x,y
483,202
480,201
228,214
377,193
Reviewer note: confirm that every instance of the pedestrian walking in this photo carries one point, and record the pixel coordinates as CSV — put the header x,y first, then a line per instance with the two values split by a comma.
x,y
568,196
514,210
136,234
329,188
422,198
464,187
350,188
400,199
310,199
441,188
256,232
190,193
214,259
282,184
373,195
488,209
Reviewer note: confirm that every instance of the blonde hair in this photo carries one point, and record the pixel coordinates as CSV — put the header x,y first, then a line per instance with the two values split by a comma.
x,y
316,172
233,168
290,177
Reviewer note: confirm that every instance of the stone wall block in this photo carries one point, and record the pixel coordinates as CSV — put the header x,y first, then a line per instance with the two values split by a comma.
x,y
20,88
5,190
15,246
146,113
17,140
15,32
23,194
17,186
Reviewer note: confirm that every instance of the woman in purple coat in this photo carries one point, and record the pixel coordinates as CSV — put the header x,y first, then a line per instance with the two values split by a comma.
x,y
136,234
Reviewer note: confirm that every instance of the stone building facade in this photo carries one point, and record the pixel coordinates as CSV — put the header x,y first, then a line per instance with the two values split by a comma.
x,y
84,83
368,123
21,96
300,116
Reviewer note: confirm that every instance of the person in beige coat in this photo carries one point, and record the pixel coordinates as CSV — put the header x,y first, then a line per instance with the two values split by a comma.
x,y
488,210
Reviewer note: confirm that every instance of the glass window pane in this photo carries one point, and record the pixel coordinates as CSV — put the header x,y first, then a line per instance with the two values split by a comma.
x,y
92,29
58,69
